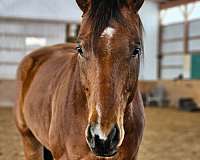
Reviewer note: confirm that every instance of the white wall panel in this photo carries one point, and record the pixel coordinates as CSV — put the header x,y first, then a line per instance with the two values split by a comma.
x,y
194,45
13,57
30,28
8,71
172,15
171,47
44,29
173,60
171,73
59,10
195,10
151,23
173,31
13,40
194,28
11,27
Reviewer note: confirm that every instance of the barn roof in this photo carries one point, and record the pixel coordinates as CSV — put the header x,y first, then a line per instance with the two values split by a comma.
x,y
60,10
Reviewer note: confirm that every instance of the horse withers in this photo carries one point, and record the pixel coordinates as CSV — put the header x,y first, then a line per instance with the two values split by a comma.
x,y
81,101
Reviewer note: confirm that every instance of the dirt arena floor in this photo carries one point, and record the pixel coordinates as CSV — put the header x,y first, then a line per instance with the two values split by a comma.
x,y
169,135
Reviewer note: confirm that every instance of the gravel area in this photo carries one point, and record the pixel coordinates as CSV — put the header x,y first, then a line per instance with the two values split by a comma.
x,y
169,135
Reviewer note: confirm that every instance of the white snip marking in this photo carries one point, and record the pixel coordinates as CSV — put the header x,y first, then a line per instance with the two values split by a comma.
x,y
99,113
97,131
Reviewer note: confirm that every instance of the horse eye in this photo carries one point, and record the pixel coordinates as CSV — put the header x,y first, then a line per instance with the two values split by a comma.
x,y
136,51
79,50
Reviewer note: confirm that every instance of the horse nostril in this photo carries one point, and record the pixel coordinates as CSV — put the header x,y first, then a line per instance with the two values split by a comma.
x,y
113,137
90,137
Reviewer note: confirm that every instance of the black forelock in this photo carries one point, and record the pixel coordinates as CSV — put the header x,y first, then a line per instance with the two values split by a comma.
x,y
102,12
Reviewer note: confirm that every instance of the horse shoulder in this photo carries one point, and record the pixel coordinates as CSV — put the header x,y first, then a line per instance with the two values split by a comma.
x,y
27,70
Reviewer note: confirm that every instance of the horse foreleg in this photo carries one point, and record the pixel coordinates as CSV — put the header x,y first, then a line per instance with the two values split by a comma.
x,y
33,150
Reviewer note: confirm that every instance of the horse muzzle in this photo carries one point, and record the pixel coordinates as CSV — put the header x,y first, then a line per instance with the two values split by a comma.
x,y
100,144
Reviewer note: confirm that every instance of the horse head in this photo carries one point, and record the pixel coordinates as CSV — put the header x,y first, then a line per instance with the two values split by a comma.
x,y
109,48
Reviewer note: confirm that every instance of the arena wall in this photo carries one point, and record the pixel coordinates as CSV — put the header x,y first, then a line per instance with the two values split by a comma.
x,y
176,89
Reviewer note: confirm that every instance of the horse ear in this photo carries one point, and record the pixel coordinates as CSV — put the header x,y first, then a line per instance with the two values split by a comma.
x,y
136,4
83,4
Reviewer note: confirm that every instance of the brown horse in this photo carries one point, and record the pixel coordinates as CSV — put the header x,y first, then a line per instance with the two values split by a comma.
x,y
81,101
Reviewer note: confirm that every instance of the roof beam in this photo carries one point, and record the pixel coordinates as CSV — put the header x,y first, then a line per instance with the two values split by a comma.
x,y
174,3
